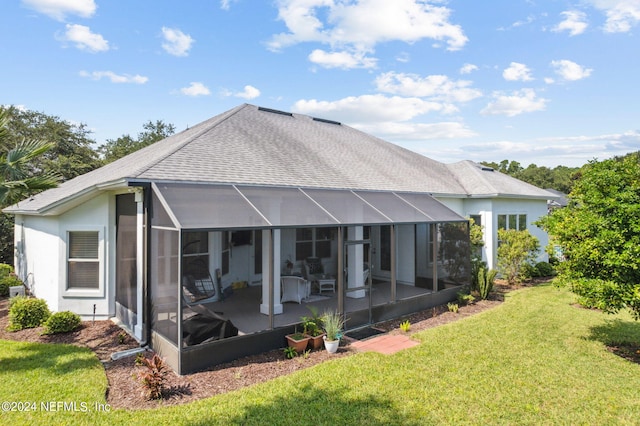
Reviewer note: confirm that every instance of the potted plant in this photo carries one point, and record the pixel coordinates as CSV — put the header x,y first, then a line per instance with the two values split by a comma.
x,y
313,327
332,322
298,341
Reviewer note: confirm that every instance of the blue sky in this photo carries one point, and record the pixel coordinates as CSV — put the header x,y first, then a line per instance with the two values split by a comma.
x,y
544,82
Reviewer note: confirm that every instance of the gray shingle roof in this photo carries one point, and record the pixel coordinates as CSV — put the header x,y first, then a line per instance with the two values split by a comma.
x,y
482,181
252,145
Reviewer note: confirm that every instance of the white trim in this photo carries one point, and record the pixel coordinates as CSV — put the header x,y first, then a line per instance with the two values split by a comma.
x,y
84,292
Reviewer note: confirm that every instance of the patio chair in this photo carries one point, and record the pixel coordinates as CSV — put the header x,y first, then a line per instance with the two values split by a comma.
x,y
294,289
197,284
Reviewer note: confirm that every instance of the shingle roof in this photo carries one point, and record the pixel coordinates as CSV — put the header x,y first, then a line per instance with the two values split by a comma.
x,y
253,145
482,181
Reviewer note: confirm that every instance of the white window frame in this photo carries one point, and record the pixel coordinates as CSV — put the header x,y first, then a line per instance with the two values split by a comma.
x,y
85,292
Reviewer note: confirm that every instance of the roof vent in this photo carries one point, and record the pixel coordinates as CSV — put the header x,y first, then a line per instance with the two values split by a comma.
x,y
322,120
486,169
275,111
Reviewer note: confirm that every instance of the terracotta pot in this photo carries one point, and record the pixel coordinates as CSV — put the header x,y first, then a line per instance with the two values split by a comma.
x,y
316,341
299,345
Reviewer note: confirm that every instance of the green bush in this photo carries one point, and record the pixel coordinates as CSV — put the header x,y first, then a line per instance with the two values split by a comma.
x,y
62,322
8,281
5,270
27,312
544,269
485,280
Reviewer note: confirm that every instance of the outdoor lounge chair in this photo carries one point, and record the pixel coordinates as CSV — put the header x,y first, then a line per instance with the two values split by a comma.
x,y
294,289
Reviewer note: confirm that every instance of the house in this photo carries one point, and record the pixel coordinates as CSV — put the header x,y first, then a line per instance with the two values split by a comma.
x,y
186,242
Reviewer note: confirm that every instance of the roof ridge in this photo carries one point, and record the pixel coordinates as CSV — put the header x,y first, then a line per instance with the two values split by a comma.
x,y
190,139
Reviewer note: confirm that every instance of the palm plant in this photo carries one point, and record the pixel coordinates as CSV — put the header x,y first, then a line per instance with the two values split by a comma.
x,y
17,180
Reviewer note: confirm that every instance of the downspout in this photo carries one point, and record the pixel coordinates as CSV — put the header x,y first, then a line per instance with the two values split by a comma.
x,y
146,302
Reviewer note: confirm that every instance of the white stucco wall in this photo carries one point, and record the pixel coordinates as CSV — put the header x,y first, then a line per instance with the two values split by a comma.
x,y
37,243
44,242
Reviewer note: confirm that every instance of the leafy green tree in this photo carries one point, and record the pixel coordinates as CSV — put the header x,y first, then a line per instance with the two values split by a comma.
x,y
72,153
19,178
125,144
599,233
559,178
515,250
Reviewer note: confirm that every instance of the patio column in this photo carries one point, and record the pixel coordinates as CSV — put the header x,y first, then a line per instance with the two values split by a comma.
x,y
271,262
139,327
355,262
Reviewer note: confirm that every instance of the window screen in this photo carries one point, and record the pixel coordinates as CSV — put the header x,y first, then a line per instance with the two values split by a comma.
x,y
84,263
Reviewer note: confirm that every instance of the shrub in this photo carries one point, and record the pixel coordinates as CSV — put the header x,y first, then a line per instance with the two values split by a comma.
x,y
62,322
516,249
27,312
544,269
405,326
5,270
7,281
486,278
453,307
465,298
154,376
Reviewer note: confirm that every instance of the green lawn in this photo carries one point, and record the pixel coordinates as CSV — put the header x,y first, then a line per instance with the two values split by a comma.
x,y
535,359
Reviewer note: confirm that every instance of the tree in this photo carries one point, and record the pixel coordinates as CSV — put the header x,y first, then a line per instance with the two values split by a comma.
x,y
516,249
72,153
599,233
559,178
18,179
125,144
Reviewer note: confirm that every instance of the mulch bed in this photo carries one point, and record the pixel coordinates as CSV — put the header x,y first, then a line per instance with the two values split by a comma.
x,y
124,390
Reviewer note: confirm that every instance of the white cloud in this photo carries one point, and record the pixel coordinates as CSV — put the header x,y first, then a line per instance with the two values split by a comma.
x,y
468,68
358,26
84,39
570,71
176,42
517,72
115,78
571,151
435,87
59,9
574,22
249,92
195,89
518,102
226,4
368,108
390,118
407,131
344,60
621,15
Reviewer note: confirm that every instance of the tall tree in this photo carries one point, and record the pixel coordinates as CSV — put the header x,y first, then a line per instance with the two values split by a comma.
x,y
72,153
19,178
125,144
599,233
559,178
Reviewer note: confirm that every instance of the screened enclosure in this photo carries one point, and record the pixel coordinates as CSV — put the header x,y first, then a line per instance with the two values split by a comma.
x,y
234,268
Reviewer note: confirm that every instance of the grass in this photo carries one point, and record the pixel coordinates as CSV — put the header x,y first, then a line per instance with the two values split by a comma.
x,y
536,359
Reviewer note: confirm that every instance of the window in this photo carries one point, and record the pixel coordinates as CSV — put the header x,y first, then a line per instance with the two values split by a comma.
x,y
512,221
313,242
83,270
